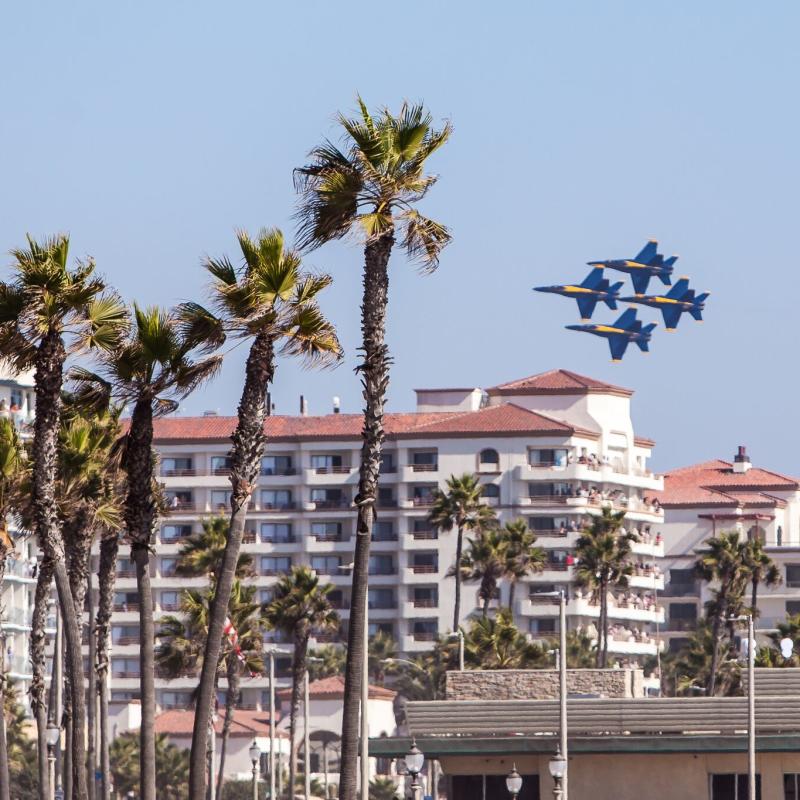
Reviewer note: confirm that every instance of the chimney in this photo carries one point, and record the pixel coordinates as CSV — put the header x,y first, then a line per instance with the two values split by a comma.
x,y
268,404
337,404
303,406
741,461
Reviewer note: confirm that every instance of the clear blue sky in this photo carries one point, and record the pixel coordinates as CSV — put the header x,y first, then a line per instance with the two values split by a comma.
x,y
150,130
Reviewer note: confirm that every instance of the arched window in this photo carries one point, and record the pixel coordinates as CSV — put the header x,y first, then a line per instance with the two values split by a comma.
x,y
489,458
491,490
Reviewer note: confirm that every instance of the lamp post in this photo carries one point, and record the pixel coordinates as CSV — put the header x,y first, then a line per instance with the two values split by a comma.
x,y
53,735
558,769
514,782
271,653
307,729
414,762
255,758
751,703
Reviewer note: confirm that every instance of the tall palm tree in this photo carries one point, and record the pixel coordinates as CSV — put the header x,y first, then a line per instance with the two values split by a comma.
x,y
270,301
603,552
47,311
762,569
485,561
13,473
157,364
723,562
326,661
459,506
581,650
496,643
370,190
300,606
523,557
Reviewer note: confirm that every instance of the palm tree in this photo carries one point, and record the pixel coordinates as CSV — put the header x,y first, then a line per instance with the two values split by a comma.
x,y
157,364
300,606
13,471
724,562
603,552
270,301
381,648
172,766
22,766
485,561
496,643
459,506
48,310
522,556
370,190
581,650
326,661
762,569
203,553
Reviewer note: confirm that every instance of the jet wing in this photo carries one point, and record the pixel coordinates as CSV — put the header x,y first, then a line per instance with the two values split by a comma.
x,y
641,280
672,316
618,345
586,306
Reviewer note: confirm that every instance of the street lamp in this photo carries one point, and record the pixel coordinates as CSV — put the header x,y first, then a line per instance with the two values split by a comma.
x,y
459,634
514,782
558,769
751,701
307,728
53,734
255,758
414,761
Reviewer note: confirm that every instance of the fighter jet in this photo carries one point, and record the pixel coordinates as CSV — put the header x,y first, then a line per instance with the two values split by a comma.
x,y
625,330
648,263
678,300
595,288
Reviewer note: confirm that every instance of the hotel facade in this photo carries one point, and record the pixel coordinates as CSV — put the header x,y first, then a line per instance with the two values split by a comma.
x,y
552,449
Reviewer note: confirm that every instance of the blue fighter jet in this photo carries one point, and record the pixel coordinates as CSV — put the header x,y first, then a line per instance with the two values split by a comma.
x,y
620,334
648,263
679,300
594,289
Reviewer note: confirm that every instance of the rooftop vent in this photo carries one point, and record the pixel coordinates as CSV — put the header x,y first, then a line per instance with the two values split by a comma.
x,y
741,461
337,404
209,413
303,406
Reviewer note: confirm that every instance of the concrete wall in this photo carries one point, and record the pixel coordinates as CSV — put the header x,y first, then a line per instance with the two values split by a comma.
x,y
683,776
541,684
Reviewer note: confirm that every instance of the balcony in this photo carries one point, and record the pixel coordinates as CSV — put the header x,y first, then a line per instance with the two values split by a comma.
x,y
279,472
654,549
249,537
681,624
289,505
648,646
425,636
583,607
123,641
423,502
428,534
424,569
338,504
184,507
681,589
123,608
126,573
178,473
590,472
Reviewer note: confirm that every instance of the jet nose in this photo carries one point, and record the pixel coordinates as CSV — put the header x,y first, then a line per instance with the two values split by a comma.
x,y
574,327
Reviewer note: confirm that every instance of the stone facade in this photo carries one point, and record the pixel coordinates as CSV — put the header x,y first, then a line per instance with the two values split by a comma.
x,y
542,684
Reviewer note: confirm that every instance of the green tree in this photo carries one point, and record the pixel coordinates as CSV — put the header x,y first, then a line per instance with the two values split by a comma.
x,y
370,190
203,553
21,748
157,364
485,561
172,767
300,606
270,301
603,553
496,643
581,650
723,562
48,310
381,647
460,506
326,661
762,569
523,557
381,788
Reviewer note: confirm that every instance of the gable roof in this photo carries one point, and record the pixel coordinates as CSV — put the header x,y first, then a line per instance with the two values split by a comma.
x,y
558,381
332,688
179,722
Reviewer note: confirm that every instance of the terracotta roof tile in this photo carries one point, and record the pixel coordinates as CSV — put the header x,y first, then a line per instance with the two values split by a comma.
x,y
558,381
332,688
179,722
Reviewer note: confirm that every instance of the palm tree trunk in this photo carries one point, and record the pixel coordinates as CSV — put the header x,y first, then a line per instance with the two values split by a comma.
x,y
38,641
231,701
459,555
109,546
754,597
298,676
604,624
91,704
716,625
511,590
486,596
69,738
248,447
375,379
140,517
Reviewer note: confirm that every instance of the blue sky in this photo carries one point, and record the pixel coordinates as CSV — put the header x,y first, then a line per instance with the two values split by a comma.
x,y
149,131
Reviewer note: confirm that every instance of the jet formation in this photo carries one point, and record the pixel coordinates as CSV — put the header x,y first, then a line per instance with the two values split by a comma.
x,y
647,264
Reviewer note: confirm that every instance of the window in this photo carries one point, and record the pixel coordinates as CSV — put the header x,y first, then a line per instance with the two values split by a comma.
x,y
383,531
549,457
179,498
125,567
387,463
326,463
728,786
221,465
123,697
425,630
425,562
126,601
326,565
386,497
543,626
276,465
791,786
276,498
792,608
169,566
682,616
541,489
489,458
329,498
125,634
274,565
178,465
793,576
220,499
682,582
125,667
425,596
327,531
169,601
176,699
424,495
276,532
381,564
386,628
380,597
172,533
491,490
16,398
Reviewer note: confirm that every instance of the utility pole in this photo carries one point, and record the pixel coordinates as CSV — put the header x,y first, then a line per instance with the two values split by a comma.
x,y
562,680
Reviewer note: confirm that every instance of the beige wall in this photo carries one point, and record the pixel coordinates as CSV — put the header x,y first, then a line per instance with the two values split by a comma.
x,y
681,776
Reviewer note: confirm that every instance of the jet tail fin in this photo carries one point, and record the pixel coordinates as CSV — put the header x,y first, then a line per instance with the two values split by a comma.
x,y
593,279
667,267
647,253
679,290
697,311
626,320
644,342
613,292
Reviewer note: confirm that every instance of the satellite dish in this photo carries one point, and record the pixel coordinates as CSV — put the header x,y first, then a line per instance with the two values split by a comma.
x,y
787,647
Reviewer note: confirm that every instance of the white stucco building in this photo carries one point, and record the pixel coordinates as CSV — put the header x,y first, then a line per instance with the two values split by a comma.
x,y
552,449
705,499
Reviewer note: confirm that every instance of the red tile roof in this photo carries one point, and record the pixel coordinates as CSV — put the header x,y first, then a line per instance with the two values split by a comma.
x,y
179,722
715,483
558,381
333,689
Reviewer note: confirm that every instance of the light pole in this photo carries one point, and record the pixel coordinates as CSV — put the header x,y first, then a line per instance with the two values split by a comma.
x,y
414,762
255,759
271,652
307,729
751,703
514,782
53,735
558,769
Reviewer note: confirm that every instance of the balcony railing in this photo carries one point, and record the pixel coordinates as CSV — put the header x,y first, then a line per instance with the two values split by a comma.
x,y
127,640
182,506
123,607
290,539
121,673
425,603
249,537
126,573
289,505
387,502
331,537
424,502
269,471
424,569
424,636
383,571
338,503
342,470
424,467
681,624
385,537
428,533
220,470
170,607
548,499
681,590
178,473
